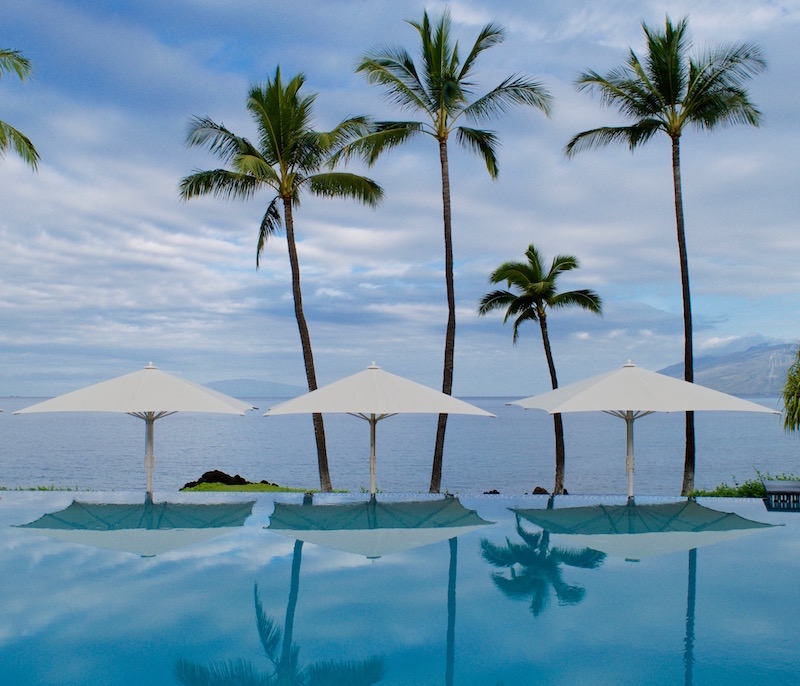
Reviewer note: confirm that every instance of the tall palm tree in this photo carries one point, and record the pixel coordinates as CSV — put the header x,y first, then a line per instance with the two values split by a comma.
x,y
11,138
440,90
668,91
534,567
791,396
288,158
535,292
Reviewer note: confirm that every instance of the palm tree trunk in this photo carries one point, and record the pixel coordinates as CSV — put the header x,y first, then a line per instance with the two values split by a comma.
x,y
558,426
291,606
450,335
305,342
688,358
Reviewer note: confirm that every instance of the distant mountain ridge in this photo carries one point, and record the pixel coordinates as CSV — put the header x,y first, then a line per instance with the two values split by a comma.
x,y
253,388
759,371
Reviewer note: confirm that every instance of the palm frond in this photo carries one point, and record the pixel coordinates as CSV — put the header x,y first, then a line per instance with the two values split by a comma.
x,y
514,90
383,136
395,71
633,136
270,223
790,396
218,182
14,61
12,139
269,633
230,673
352,673
346,185
219,141
482,142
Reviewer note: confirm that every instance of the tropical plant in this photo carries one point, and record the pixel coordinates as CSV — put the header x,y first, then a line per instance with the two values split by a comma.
x,y
535,292
289,158
441,90
534,567
791,396
669,91
10,138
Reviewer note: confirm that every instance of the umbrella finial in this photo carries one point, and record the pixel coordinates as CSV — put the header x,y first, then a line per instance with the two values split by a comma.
x,y
629,363
150,365
373,366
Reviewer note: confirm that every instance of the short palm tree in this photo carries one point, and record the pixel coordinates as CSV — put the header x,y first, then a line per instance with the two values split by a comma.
x,y
441,90
668,92
534,567
11,138
791,396
289,157
535,292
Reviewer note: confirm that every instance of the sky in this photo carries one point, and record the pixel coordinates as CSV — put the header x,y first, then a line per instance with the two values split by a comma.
x,y
104,268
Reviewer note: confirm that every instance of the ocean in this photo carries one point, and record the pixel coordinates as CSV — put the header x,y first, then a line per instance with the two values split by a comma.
x,y
512,453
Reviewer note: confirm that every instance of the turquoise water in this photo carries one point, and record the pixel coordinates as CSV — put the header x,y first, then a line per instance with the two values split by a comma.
x,y
74,613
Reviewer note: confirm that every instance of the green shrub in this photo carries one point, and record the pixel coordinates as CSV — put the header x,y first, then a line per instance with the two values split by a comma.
x,y
750,488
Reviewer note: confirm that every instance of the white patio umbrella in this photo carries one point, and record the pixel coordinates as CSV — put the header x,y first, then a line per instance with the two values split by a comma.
x,y
374,395
149,394
631,392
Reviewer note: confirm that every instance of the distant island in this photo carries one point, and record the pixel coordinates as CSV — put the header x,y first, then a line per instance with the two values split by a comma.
x,y
758,372
253,388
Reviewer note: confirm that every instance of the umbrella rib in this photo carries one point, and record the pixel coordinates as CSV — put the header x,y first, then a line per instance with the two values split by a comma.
x,y
377,417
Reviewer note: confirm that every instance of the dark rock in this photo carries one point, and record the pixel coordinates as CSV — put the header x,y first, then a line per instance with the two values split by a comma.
x,y
540,491
215,476
494,491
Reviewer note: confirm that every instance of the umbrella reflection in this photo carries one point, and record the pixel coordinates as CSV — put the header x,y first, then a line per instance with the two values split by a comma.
x,y
635,531
147,528
374,528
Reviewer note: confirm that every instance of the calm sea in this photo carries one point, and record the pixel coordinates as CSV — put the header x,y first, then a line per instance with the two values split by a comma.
x,y
511,453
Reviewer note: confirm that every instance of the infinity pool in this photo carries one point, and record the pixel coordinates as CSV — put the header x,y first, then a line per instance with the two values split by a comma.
x,y
441,591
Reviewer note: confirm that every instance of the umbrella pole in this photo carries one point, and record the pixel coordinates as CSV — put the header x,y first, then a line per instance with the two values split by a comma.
x,y
629,456
372,423
149,459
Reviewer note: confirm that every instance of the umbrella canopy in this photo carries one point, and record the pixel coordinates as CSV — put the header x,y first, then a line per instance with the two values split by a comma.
x,y
374,395
146,529
149,394
374,528
632,392
634,531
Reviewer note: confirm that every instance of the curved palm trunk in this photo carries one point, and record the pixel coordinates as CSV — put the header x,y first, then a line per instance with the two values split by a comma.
x,y
291,606
558,426
305,342
688,358
450,335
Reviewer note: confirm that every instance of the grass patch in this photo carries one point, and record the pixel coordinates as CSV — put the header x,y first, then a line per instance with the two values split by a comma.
x,y
39,488
750,488
251,488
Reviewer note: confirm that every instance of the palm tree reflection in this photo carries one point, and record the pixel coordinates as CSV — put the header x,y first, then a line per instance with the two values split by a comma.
x,y
534,567
282,653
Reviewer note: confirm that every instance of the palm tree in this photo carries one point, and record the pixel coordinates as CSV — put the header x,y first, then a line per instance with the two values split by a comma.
x,y
668,92
440,91
11,138
534,567
289,158
791,396
535,292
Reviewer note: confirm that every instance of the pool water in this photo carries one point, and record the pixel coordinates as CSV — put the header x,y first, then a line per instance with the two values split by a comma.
x,y
494,600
